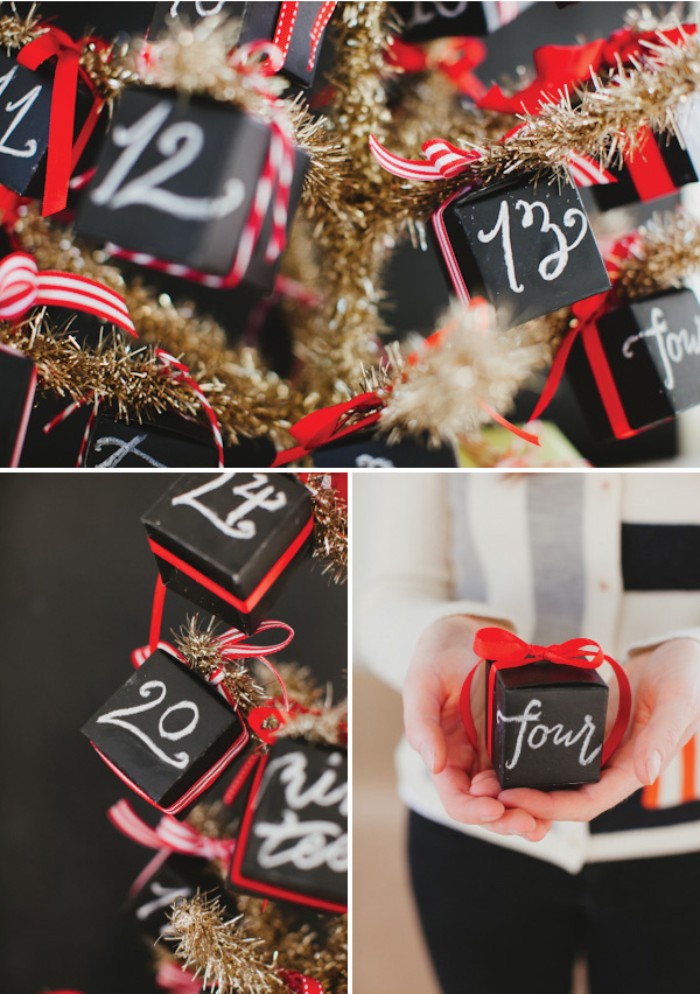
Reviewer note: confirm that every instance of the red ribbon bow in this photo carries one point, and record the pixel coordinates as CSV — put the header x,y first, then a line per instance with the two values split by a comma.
x,y
504,650
455,58
170,835
330,424
23,286
558,68
63,155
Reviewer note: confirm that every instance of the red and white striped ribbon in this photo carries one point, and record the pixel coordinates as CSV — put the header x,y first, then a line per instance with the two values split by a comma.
x,y
23,286
180,372
175,979
232,645
169,834
445,161
299,983
286,23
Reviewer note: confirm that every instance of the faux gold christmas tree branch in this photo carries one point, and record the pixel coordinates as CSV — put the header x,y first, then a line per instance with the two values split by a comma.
x,y
248,400
220,952
668,252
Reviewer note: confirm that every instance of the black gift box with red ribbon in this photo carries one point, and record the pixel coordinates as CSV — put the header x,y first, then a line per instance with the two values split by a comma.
x,y
660,165
17,389
33,109
166,441
547,724
638,365
526,247
166,733
292,842
545,710
176,187
229,542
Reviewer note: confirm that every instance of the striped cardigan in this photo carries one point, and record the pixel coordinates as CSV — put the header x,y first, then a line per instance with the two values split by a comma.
x,y
612,556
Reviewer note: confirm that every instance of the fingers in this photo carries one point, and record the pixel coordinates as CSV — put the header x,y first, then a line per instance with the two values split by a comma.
x,y
460,803
453,787
658,742
422,702
581,804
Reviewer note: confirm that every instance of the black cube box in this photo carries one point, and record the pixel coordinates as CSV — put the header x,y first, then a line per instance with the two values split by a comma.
x,y
652,351
292,845
17,389
547,725
166,441
661,165
189,12
304,25
25,116
365,450
166,733
186,198
167,879
526,247
427,21
229,542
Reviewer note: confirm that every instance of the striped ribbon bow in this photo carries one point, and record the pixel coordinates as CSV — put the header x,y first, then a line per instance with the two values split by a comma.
x,y
170,834
444,161
23,286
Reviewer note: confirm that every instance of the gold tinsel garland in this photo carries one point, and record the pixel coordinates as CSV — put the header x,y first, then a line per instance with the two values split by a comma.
x,y
331,526
247,399
219,951
243,956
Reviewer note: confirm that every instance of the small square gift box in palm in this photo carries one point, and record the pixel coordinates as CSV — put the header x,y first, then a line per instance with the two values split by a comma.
x,y
545,710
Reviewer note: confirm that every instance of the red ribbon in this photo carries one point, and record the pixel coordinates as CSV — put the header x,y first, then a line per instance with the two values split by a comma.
x,y
587,312
558,68
286,23
23,286
299,983
62,153
648,170
455,58
330,424
504,650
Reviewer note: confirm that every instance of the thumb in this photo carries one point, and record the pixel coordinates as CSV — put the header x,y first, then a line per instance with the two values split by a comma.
x,y
661,739
422,705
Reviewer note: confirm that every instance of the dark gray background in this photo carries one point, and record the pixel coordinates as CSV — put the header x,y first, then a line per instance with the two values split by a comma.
x,y
76,584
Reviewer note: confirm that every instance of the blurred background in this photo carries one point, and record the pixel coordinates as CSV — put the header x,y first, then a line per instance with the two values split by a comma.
x,y
76,584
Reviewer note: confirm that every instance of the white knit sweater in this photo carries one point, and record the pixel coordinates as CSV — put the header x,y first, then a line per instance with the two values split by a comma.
x,y
544,552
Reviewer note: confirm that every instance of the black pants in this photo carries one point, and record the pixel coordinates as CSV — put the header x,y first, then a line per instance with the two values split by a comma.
x,y
498,922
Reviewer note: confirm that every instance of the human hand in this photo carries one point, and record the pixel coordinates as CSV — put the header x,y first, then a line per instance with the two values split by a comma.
x,y
434,728
665,685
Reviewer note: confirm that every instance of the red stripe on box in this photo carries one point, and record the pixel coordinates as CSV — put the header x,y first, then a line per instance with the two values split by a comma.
x,y
648,170
250,602
236,876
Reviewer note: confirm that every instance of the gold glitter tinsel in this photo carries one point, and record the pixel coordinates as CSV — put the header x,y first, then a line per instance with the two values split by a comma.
x,y
219,952
200,648
331,526
328,727
474,364
247,399
668,252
